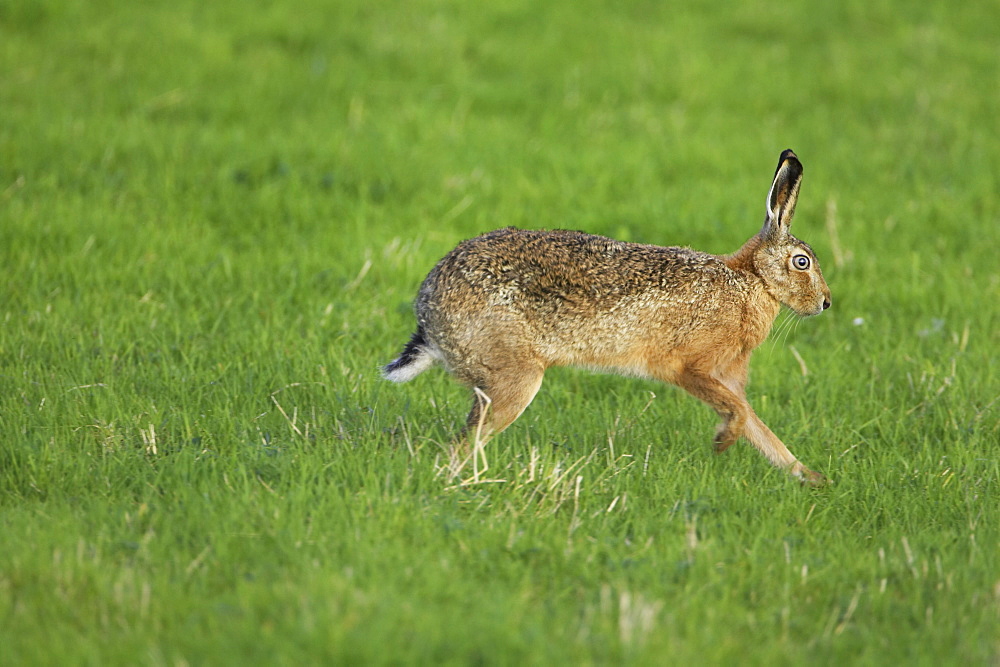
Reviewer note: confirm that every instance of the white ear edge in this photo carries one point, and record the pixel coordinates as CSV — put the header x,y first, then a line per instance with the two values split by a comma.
x,y
783,195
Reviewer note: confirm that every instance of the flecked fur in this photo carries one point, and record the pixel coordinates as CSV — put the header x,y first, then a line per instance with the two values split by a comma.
x,y
503,307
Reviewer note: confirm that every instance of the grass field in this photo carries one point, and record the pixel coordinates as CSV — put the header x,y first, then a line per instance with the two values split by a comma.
x,y
214,218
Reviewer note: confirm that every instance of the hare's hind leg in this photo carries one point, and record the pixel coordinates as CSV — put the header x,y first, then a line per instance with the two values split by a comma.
x,y
501,395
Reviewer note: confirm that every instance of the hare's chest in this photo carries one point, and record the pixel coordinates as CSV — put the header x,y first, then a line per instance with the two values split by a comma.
x,y
758,319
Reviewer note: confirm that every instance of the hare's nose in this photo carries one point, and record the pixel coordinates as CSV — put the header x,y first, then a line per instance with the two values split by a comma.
x,y
826,304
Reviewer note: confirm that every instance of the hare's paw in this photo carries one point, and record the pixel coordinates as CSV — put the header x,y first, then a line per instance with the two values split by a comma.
x,y
726,435
810,478
721,444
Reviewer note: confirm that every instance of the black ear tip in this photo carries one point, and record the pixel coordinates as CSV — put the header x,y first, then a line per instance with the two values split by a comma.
x,y
789,156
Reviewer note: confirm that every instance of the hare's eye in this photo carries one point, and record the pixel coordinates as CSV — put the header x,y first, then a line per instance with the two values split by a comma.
x,y
800,262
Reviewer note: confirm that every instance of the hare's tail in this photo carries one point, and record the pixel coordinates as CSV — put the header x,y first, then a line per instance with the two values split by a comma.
x,y
416,358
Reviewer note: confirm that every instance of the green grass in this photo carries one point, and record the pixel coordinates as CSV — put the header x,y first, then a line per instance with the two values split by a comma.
x,y
213,220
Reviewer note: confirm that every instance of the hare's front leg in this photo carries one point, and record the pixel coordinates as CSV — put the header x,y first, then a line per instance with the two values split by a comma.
x,y
738,418
771,446
725,398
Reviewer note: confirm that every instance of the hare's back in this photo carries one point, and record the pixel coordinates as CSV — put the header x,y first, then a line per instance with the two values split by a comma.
x,y
563,272
565,263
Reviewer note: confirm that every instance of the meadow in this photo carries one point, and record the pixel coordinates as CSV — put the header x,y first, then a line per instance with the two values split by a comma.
x,y
214,218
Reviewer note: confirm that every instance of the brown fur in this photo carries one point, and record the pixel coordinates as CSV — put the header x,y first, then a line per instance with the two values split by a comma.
x,y
503,307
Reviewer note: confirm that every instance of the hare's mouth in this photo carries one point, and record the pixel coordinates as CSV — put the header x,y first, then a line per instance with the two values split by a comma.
x,y
823,304
814,310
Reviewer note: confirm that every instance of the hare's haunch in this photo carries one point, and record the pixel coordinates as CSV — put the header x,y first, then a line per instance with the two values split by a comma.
x,y
503,307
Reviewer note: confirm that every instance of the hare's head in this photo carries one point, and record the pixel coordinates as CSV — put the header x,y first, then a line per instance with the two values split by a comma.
x,y
787,265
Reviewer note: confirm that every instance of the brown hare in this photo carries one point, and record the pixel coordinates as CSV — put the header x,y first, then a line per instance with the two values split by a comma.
x,y
503,307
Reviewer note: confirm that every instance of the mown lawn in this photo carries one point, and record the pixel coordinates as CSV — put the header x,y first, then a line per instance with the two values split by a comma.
x,y
214,218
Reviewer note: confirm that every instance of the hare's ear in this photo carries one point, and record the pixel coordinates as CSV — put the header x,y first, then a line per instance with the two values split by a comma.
x,y
783,195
